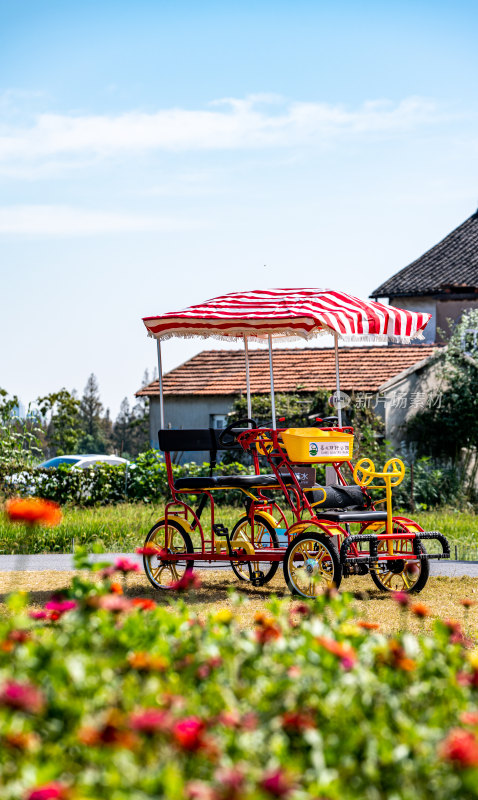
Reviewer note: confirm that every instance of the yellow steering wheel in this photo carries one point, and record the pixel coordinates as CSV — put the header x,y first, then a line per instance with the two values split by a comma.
x,y
364,472
396,468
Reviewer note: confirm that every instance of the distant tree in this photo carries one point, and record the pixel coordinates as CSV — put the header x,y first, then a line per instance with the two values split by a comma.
x,y
131,427
20,438
60,413
94,438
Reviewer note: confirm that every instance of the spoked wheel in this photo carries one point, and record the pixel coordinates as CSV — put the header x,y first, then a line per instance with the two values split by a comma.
x,y
264,536
311,564
173,539
400,575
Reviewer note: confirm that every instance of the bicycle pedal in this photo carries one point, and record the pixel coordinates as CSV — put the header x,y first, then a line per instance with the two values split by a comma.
x,y
220,530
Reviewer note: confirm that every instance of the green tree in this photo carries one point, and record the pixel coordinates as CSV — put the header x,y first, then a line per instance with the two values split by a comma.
x,y
94,438
448,429
60,412
19,437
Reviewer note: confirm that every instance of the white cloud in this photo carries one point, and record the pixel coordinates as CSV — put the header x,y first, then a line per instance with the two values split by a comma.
x,y
254,122
45,220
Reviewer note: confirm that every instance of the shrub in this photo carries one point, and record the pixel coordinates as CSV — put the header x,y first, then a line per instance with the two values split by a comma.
x,y
105,696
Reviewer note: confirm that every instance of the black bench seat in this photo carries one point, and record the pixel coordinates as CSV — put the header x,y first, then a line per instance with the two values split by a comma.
x,y
230,482
351,516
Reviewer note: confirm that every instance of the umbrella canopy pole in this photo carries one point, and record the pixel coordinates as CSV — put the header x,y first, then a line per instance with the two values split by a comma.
x,y
248,383
273,402
337,378
160,378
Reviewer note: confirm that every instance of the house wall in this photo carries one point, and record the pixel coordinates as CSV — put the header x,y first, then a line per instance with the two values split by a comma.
x,y
424,304
403,399
187,412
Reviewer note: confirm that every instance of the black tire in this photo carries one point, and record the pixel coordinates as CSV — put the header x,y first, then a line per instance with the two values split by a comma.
x,y
297,580
176,569
381,577
269,568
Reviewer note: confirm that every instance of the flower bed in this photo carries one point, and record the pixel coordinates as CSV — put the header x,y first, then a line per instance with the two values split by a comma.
x,y
102,696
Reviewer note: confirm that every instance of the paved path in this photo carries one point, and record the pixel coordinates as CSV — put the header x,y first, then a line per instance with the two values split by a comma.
x,y
64,562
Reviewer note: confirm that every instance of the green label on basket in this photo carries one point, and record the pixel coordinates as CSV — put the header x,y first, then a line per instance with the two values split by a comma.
x,y
328,449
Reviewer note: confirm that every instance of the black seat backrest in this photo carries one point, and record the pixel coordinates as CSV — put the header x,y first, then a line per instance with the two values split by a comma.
x,y
188,439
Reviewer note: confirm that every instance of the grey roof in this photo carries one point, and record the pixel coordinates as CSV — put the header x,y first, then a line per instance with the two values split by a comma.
x,y
451,267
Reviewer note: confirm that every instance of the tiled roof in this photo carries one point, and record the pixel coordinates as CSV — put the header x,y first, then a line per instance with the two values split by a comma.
x,y
222,372
451,267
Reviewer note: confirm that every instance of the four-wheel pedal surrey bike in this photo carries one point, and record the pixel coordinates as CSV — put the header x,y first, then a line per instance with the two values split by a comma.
x,y
320,533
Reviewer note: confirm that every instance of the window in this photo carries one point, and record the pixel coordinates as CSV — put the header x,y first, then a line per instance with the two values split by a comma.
x,y
218,421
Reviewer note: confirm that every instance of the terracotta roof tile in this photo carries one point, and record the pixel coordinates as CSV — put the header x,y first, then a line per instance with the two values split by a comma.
x,y
222,372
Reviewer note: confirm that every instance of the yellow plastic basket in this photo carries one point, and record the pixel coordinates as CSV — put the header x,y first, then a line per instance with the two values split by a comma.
x,y
312,445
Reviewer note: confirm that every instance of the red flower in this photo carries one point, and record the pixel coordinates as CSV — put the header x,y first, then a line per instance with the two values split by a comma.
x,y
150,550
124,565
188,733
18,636
277,783
22,696
49,791
297,721
150,720
33,511
190,580
460,747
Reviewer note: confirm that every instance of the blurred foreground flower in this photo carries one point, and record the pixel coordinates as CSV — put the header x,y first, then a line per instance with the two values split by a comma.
x,y
50,791
190,580
33,511
461,747
22,696
124,565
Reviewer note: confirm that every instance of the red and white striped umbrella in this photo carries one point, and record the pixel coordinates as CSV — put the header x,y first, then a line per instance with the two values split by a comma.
x,y
289,312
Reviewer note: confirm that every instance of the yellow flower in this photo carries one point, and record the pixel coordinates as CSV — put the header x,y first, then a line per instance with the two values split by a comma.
x,y
348,629
224,616
473,658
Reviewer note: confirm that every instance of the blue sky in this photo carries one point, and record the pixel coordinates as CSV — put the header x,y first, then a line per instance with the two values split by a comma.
x,y
154,154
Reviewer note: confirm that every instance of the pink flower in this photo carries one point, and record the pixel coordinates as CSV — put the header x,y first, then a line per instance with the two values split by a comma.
x,y
276,783
22,696
188,733
469,717
49,791
124,565
402,598
38,615
113,602
231,781
188,581
150,720
60,606
199,790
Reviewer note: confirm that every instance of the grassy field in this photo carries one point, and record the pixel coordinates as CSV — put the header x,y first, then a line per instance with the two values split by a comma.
x,y
124,527
441,595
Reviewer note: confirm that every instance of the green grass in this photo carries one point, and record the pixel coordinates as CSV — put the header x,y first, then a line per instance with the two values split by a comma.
x,y
123,527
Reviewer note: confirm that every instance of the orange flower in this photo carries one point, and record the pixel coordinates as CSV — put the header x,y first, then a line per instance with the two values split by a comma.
x,y
399,659
266,628
144,662
420,610
116,588
368,626
33,511
467,602
342,650
112,733
144,603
